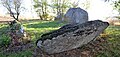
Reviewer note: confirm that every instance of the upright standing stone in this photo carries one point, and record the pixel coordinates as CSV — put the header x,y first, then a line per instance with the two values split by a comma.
x,y
76,15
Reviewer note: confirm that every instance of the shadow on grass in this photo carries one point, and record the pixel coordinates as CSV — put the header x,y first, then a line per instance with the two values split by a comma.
x,y
47,24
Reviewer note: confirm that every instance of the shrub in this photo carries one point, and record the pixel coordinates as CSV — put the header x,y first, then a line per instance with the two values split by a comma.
x,y
4,40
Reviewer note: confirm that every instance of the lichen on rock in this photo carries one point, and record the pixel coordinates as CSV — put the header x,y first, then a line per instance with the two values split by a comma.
x,y
71,36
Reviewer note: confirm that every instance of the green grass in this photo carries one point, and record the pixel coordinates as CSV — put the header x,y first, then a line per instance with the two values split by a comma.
x,y
26,53
36,28
113,43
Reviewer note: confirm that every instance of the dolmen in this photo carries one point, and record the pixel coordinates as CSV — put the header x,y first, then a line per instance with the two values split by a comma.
x,y
71,36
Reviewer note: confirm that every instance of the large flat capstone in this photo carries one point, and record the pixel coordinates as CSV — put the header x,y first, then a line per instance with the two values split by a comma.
x,y
71,36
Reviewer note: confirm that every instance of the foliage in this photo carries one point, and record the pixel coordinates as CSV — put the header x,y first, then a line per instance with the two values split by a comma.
x,y
41,7
60,6
16,32
4,40
3,29
56,7
117,5
35,29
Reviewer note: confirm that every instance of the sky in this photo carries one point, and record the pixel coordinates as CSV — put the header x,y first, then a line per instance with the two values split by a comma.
x,y
101,10
98,9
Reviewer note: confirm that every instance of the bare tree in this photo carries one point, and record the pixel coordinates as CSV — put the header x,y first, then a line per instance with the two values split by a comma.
x,y
16,30
13,7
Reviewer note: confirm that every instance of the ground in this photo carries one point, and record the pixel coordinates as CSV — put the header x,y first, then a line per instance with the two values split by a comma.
x,y
107,45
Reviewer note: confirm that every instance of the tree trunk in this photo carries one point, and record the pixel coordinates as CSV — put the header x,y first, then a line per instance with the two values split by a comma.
x,y
17,16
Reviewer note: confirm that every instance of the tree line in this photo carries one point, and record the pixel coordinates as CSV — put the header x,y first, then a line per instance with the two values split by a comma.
x,y
48,9
56,7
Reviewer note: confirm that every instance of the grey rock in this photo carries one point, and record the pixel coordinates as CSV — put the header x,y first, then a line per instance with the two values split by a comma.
x,y
60,16
71,36
76,15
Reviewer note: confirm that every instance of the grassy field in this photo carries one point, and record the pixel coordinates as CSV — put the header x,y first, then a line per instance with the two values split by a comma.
x,y
112,47
36,28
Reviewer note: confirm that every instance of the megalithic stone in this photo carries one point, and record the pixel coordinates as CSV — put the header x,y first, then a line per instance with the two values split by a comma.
x,y
71,36
76,15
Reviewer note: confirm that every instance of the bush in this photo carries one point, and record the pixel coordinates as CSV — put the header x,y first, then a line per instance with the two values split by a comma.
x,y
4,40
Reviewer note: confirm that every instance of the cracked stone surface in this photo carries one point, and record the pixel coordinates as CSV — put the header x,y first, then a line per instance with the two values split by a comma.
x,y
71,36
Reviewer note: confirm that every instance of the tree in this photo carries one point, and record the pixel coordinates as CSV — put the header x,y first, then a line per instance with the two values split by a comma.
x,y
13,7
41,7
16,30
60,7
117,5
